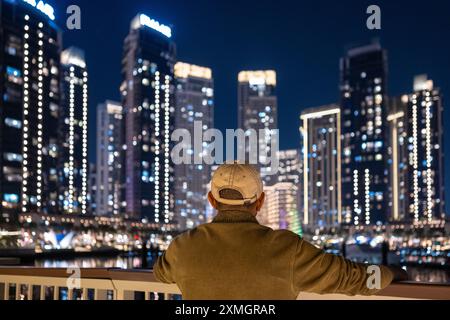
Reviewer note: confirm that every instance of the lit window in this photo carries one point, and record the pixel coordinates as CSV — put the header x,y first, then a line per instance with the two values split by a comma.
x,y
14,75
13,123
11,198
13,157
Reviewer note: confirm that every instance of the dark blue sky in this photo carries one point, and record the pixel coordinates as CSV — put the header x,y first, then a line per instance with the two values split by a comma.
x,y
301,40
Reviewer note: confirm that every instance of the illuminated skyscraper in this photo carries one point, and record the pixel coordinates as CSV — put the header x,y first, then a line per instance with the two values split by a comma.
x,y
364,130
398,159
280,207
30,91
147,98
194,104
73,130
321,133
290,170
289,166
417,157
109,158
258,109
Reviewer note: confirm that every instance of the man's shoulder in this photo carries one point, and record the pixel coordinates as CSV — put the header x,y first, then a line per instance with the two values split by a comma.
x,y
283,235
188,233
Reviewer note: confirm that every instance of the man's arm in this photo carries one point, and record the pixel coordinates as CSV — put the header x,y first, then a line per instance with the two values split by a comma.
x,y
319,272
164,266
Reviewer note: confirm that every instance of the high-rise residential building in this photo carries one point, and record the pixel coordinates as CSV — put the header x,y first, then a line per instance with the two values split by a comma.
x,y
148,101
194,105
398,159
30,45
280,207
290,170
73,132
289,162
364,135
258,110
416,154
322,166
109,158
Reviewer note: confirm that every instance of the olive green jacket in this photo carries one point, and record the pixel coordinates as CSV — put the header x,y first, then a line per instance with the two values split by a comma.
x,y
235,257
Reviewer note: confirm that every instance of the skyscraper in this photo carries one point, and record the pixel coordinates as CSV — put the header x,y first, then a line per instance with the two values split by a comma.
x,y
321,133
280,207
417,157
30,93
398,159
109,158
290,171
258,109
289,166
194,103
364,130
147,98
73,132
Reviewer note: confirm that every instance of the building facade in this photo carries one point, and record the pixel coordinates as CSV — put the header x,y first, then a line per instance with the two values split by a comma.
x,y
30,93
322,167
364,132
109,159
290,171
258,110
148,101
194,105
417,155
289,162
73,167
279,210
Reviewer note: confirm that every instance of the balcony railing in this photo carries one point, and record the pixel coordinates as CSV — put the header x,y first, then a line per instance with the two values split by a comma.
x,y
24,283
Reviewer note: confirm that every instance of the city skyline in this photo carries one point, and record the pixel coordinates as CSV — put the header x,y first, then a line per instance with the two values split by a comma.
x,y
149,55
113,133
307,69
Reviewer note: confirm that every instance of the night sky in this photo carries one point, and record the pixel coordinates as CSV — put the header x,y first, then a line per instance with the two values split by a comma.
x,y
301,40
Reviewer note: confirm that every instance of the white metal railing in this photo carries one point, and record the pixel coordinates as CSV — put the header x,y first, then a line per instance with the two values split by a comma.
x,y
24,283
96,284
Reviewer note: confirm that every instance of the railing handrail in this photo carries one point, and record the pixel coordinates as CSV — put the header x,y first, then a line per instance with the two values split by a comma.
x,y
407,290
86,273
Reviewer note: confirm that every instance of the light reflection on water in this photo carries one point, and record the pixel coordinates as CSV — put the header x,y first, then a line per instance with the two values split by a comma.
x,y
429,275
122,262
418,274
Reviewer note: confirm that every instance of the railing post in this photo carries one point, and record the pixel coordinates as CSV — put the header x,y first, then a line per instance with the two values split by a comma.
x,y
69,294
30,292
100,294
119,294
18,289
84,295
128,295
6,291
42,293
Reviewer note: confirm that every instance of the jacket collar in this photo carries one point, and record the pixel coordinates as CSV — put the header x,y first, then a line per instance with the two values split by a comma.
x,y
234,216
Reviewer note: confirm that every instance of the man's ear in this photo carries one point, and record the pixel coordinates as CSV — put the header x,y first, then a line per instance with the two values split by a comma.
x,y
260,202
212,201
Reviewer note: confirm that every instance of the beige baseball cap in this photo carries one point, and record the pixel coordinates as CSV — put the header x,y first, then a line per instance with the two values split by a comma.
x,y
242,178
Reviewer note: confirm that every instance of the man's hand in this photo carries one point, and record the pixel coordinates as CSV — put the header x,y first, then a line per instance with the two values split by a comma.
x,y
399,274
